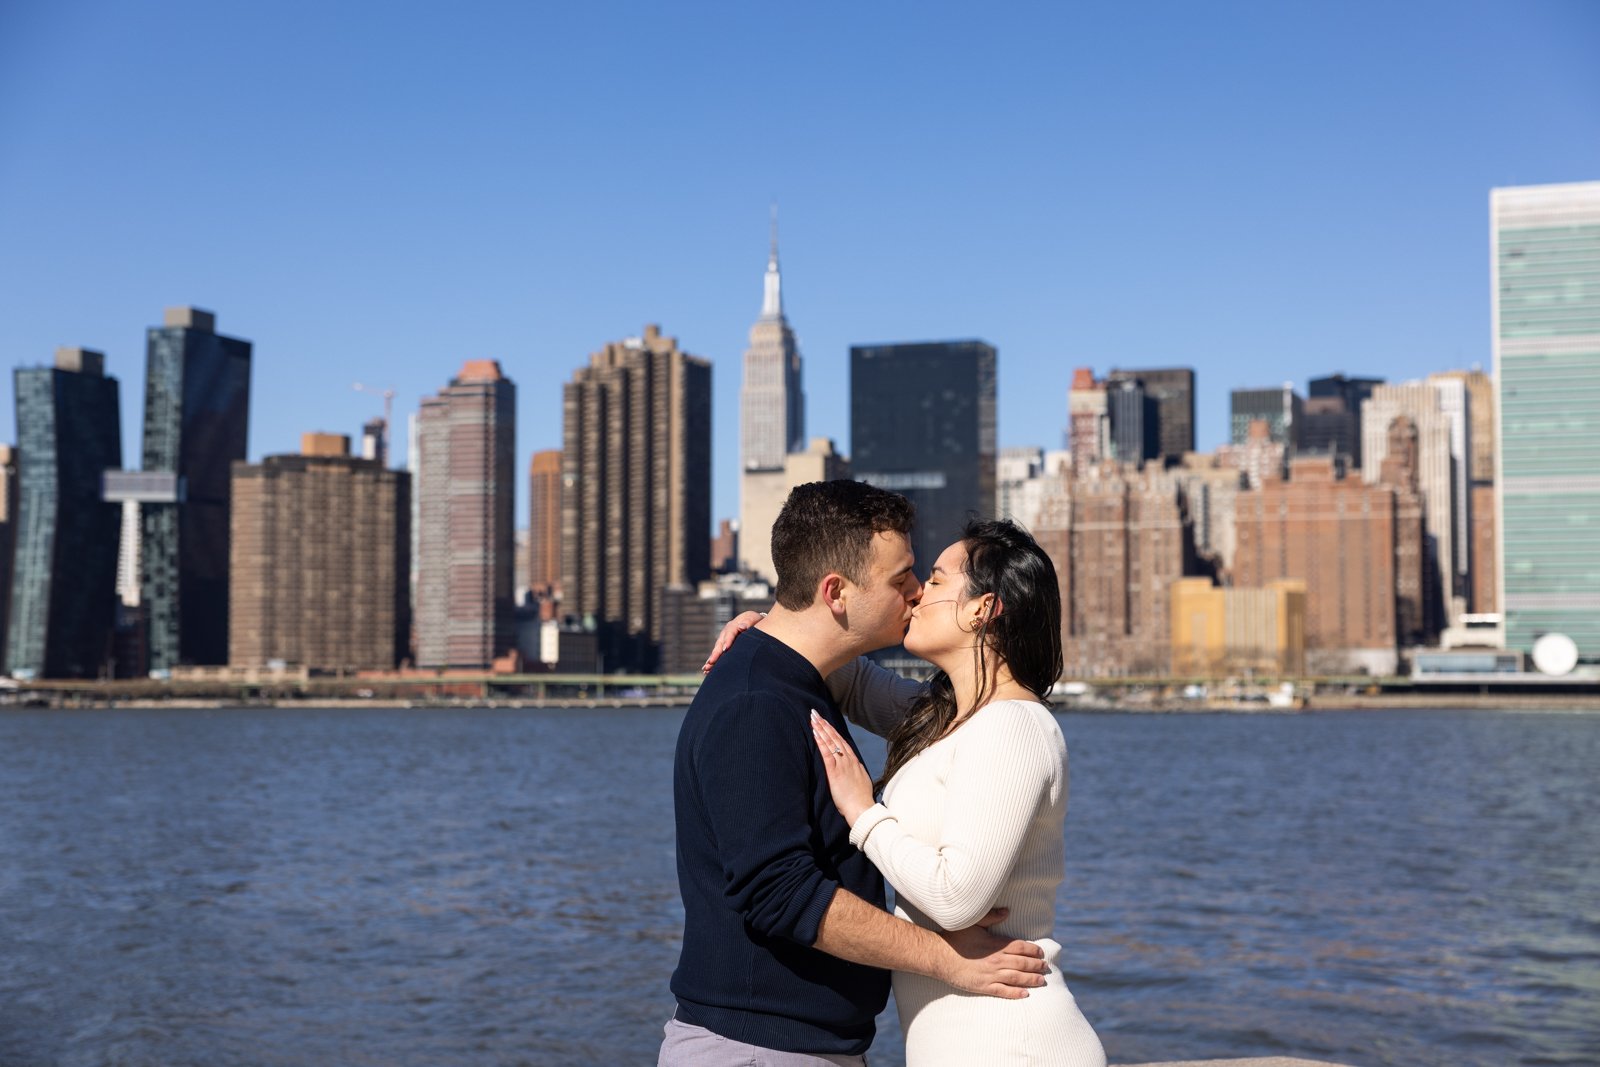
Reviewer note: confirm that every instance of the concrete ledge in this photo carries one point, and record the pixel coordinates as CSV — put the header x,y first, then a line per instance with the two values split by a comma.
x,y
1261,1061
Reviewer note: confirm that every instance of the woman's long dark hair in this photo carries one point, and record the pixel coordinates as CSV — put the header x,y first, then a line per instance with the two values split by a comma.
x,y
1025,632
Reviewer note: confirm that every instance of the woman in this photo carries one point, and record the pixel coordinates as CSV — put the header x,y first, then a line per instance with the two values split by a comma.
x,y
974,794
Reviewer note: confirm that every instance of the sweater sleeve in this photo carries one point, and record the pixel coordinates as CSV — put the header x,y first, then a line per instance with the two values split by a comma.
x,y
1000,772
755,778
873,697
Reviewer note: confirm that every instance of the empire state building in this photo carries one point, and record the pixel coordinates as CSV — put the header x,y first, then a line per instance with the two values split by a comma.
x,y
771,406
772,418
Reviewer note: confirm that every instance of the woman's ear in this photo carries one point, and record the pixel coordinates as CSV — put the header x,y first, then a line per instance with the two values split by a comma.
x,y
984,609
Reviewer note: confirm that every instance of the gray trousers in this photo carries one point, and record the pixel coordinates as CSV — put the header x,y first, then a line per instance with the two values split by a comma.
x,y
695,1046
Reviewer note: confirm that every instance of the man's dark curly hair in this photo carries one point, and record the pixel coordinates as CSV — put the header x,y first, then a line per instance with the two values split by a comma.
x,y
828,527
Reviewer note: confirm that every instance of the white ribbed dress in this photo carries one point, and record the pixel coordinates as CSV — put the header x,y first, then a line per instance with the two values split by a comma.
x,y
971,823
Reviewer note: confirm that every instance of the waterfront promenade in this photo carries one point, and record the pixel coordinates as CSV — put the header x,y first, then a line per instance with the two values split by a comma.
x,y
222,688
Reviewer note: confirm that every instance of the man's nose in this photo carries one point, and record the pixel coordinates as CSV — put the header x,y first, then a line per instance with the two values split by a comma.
x,y
916,592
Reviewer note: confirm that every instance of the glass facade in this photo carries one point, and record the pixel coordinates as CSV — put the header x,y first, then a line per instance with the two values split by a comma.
x,y
1135,430
196,423
1546,263
63,597
1281,409
922,422
1172,389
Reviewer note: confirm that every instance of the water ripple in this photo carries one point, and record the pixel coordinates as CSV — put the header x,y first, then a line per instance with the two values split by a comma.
x,y
294,888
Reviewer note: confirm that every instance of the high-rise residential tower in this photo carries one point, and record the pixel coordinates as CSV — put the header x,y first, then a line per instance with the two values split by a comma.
x,y
466,491
69,432
319,562
636,490
1545,248
771,419
8,538
922,422
196,426
544,520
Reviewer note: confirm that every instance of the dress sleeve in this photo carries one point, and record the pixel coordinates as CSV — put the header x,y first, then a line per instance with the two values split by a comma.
x,y
873,697
754,769
1000,772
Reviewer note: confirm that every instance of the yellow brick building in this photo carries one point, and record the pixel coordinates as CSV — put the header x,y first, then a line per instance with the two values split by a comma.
x,y
1220,633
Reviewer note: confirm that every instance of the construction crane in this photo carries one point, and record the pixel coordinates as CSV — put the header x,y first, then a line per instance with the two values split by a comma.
x,y
388,410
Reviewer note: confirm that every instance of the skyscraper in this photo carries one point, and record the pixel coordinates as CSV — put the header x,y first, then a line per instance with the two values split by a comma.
x,y
8,538
1332,423
466,491
771,418
1135,433
1481,516
922,422
771,405
196,425
1437,409
1545,242
1172,390
636,489
69,432
1281,409
544,520
1480,415
318,565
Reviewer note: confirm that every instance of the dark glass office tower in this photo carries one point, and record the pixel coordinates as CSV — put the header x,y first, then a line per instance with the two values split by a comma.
x,y
1332,423
69,433
1281,409
1135,422
196,420
1172,389
922,422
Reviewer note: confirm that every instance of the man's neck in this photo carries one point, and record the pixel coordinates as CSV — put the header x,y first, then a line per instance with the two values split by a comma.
x,y
814,634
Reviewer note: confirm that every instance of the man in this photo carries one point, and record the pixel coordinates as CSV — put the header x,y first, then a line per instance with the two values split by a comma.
x,y
786,939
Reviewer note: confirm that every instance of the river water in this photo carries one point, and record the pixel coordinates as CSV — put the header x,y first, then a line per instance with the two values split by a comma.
x,y
413,887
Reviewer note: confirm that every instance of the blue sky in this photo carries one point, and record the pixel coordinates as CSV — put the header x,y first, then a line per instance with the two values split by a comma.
x,y
1263,191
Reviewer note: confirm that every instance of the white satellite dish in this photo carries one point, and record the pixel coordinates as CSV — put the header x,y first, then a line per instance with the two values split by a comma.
x,y
1555,654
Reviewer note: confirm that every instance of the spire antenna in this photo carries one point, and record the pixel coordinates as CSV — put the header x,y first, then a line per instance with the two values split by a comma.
x,y
772,285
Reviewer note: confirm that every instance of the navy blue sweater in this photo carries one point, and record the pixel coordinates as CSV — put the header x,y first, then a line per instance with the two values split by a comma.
x,y
761,851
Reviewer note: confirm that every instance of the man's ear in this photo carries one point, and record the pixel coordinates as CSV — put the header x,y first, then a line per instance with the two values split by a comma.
x,y
831,592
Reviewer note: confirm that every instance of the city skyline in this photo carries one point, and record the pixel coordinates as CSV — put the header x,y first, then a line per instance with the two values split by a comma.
x,y
1233,190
